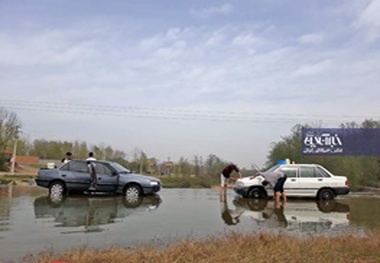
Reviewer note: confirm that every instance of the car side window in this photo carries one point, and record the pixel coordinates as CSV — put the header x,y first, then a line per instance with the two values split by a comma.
x,y
65,167
307,171
102,169
321,173
78,167
291,172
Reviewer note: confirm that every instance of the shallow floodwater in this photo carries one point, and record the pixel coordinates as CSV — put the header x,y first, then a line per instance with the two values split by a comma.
x,y
30,222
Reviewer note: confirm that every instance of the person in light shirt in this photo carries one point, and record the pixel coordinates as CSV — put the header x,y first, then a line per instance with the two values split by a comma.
x,y
91,157
91,169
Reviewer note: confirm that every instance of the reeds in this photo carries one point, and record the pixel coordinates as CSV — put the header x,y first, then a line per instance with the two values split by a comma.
x,y
234,247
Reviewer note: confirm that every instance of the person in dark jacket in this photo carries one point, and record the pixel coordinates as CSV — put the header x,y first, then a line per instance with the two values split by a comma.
x,y
225,176
67,158
277,181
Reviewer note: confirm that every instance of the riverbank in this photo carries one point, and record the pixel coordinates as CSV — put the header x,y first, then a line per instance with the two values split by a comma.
x,y
234,247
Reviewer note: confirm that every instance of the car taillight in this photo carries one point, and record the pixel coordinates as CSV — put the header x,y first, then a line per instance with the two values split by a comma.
x,y
348,183
348,216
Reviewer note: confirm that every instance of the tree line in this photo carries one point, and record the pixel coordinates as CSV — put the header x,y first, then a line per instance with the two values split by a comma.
x,y
361,170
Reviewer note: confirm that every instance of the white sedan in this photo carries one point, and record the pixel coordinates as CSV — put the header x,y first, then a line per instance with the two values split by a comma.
x,y
303,180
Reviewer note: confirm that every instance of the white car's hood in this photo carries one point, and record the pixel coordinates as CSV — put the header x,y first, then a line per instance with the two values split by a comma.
x,y
247,181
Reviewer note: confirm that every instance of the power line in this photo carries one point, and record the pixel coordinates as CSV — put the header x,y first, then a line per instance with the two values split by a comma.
x,y
177,114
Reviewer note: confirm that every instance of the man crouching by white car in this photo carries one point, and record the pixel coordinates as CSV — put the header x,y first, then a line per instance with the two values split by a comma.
x,y
277,181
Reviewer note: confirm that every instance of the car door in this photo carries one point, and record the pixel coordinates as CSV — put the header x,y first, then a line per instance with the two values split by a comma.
x,y
76,176
310,180
291,183
107,180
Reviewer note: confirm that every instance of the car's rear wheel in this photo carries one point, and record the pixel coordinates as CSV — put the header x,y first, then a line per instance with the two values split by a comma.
x,y
56,190
326,194
256,193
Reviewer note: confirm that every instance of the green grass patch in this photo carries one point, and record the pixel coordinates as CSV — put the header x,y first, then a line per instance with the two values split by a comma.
x,y
5,180
186,182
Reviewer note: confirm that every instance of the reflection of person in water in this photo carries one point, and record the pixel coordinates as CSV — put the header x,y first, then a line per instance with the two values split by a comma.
x,y
229,216
274,217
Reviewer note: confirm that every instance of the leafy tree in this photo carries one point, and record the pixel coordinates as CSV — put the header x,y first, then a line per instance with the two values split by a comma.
x,y
183,167
214,166
79,150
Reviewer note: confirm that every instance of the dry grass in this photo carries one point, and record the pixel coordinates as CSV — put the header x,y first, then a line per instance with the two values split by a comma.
x,y
235,248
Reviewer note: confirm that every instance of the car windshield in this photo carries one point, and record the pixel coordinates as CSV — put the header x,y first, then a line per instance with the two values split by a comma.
x,y
119,168
272,169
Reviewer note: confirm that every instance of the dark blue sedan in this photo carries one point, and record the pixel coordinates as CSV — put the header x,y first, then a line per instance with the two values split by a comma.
x,y
111,177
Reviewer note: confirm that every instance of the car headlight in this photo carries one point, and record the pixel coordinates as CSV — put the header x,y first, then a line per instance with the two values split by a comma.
x,y
153,183
239,184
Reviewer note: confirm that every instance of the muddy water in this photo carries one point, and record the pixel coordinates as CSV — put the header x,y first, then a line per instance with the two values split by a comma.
x,y
30,222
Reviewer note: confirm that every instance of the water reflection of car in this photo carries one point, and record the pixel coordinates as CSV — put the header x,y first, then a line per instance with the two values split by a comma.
x,y
92,211
297,215
111,178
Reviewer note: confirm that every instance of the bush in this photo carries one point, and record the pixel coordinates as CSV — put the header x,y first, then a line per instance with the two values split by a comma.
x,y
3,164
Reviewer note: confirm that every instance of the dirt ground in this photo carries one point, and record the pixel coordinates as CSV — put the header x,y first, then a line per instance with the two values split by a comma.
x,y
27,170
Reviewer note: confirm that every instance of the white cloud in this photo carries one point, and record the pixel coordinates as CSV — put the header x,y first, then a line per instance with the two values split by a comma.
x,y
311,39
313,69
223,9
370,16
245,40
217,37
369,20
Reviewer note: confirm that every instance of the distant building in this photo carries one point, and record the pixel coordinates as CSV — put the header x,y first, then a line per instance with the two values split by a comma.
x,y
21,159
27,159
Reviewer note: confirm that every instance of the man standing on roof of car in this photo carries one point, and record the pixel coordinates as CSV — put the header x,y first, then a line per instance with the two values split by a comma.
x,y
225,176
92,171
277,181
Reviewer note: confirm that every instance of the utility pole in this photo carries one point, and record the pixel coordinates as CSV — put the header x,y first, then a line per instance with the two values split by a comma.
x,y
13,159
141,162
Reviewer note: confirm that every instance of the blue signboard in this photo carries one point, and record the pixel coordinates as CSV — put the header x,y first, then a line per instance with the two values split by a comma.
x,y
340,141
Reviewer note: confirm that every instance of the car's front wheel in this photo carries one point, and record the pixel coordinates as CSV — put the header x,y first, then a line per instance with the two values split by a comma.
x,y
256,193
132,193
56,190
326,194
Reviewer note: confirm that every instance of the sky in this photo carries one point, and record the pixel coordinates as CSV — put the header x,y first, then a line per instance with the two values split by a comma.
x,y
184,78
